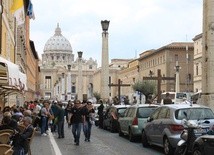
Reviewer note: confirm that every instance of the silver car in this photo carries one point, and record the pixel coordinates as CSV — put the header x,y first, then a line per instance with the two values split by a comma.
x,y
133,120
165,125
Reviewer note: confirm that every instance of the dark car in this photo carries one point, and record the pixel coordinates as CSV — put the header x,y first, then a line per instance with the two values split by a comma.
x,y
110,118
204,145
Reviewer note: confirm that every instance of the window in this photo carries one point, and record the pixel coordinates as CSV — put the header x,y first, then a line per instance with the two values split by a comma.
x,y
163,113
154,115
73,89
145,112
90,67
47,82
196,69
194,114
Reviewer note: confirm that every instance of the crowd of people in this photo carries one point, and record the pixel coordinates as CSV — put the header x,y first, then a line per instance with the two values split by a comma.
x,y
42,115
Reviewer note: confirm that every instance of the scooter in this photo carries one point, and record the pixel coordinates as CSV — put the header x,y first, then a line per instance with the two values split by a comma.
x,y
191,131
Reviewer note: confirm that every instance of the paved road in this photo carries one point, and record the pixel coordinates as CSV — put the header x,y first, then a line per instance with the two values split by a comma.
x,y
102,143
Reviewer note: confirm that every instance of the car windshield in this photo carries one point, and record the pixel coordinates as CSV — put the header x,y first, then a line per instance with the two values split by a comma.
x,y
194,113
144,112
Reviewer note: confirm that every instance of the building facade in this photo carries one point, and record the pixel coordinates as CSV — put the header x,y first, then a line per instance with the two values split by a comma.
x,y
115,66
197,63
165,59
14,52
62,76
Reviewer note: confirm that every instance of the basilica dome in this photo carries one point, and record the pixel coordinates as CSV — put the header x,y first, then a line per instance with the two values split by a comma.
x,y
57,43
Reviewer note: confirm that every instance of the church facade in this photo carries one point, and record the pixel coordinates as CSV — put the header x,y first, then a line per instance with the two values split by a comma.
x,y
62,77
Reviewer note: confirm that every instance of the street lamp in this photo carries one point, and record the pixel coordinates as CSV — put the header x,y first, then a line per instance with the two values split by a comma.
x,y
80,96
105,25
105,61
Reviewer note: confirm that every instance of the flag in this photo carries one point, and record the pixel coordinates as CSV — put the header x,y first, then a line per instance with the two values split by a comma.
x,y
18,10
30,11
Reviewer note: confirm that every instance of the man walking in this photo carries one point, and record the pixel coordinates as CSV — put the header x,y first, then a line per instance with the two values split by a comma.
x,y
77,118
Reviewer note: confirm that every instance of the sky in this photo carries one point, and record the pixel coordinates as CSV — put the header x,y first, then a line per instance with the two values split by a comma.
x,y
135,25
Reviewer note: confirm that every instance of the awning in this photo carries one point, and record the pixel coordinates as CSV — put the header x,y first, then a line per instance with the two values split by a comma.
x,y
11,78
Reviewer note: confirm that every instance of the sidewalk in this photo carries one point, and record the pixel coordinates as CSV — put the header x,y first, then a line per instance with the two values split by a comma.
x,y
42,145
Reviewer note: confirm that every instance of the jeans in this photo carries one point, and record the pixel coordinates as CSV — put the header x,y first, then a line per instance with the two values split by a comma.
x,y
76,130
60,126
43,124
87,130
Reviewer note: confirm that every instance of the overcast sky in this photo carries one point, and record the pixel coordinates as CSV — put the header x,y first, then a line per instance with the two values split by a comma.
x,y
135,25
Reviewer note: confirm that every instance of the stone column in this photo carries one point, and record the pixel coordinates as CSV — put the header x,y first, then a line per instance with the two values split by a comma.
x,y
69,83
80,81
63,87
177,84
60,89
208,54
105,62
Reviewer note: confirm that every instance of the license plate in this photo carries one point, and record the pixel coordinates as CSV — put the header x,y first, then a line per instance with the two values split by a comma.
x,y
201,131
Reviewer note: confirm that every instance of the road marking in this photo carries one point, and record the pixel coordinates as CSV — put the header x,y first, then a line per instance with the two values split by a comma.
x,y
54,144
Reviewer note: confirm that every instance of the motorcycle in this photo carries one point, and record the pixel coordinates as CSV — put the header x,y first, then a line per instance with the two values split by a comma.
x,y
191,131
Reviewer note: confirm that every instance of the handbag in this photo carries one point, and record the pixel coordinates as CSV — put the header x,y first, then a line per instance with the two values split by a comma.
x,y
51,117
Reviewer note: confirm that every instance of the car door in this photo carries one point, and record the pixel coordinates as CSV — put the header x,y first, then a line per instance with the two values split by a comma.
x,y
161,124
151,124
123,119
129,119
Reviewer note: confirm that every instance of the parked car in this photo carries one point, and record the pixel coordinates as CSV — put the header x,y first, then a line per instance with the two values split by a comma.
x,y
133,120
112,113
164,126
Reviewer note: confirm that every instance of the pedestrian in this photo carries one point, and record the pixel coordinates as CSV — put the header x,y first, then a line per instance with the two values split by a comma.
x,y
134,100
167,99
100,113
77,119
149,100
44,118
68,113
89,120
60,120
54,109
126,100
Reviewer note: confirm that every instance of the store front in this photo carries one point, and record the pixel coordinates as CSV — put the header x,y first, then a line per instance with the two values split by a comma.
x,y
12,84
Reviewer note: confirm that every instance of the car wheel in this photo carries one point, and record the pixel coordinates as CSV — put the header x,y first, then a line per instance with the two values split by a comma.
x,y
131,136
112,127
120,132
168,149
197,151
144,140
104,126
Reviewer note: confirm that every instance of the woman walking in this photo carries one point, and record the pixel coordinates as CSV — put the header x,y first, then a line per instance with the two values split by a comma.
x,y
89,120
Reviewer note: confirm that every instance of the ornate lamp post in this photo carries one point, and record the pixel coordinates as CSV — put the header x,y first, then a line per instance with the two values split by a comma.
x,y
105,61
80,96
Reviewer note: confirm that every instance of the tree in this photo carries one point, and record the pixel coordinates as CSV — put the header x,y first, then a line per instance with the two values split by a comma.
x,y
97,96
145,87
